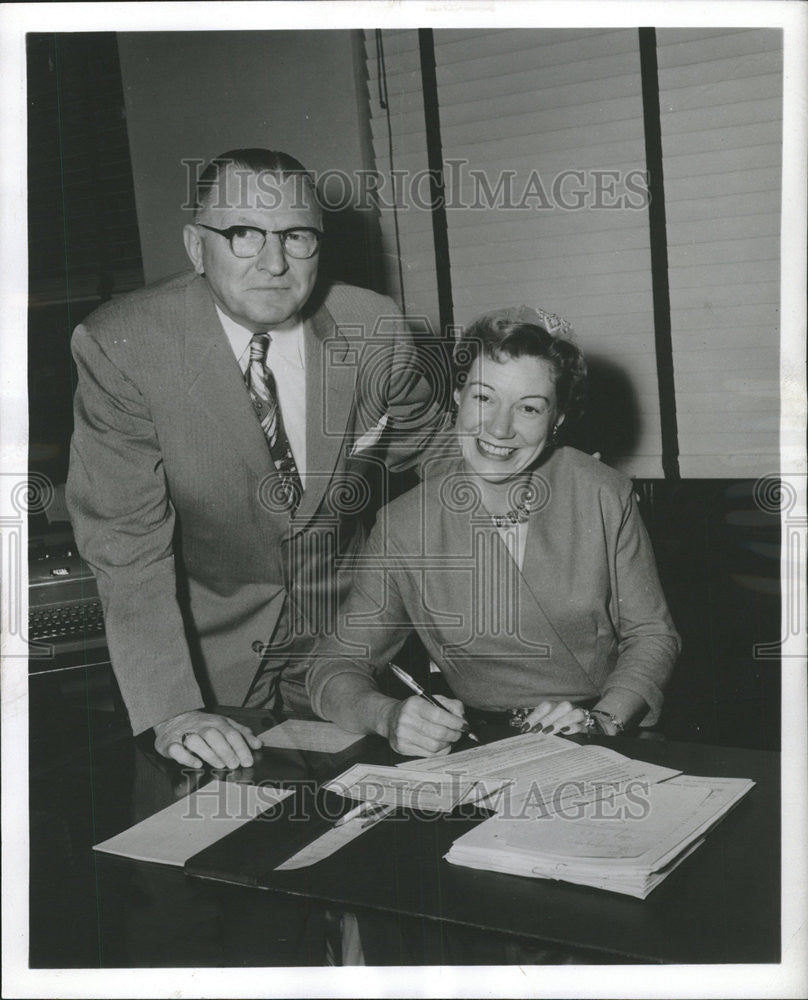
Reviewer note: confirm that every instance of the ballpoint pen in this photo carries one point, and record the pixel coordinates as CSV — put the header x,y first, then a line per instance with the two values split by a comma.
x,y
413,685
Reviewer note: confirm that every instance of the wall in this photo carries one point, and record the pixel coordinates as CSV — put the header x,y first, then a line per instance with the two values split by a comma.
x,y
196,94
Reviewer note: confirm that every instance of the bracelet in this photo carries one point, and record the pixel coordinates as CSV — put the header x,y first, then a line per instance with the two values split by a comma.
x,y
618,725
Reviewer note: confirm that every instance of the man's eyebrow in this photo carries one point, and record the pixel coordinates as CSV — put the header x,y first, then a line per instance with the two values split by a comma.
x,y
260,229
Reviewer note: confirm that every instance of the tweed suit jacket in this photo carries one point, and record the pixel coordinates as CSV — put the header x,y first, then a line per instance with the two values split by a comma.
x,y
173,494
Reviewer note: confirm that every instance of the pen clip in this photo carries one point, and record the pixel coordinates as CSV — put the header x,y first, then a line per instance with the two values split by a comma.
x,y
405,678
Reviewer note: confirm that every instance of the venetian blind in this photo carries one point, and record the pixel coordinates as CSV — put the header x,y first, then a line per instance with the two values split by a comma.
x,y
721,117
396,101
562,110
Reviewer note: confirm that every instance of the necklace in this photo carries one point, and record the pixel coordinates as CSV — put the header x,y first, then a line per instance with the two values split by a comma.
x,y
521,510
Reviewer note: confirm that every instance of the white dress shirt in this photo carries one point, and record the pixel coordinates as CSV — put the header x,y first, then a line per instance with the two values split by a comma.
x,y
287,361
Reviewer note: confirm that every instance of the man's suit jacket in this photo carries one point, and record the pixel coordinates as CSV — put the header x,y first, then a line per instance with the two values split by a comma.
x,y
584,615
172,491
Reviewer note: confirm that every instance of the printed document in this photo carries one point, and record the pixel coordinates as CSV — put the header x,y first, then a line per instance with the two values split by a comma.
x,y
401,787
545,771
628,844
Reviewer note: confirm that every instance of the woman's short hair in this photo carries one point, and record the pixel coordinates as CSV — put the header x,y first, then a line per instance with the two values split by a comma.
x,y
501,337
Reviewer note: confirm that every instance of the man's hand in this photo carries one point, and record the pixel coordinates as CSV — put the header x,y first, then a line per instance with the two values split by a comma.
x,y
417,729
194,737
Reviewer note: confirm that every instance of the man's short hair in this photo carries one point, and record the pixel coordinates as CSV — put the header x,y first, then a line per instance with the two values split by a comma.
x,y
253,160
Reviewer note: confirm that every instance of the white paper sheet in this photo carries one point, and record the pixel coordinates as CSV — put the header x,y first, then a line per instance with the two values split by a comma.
x,y
503,759
544,771
635,831
332,840
305,734
432,792
193,822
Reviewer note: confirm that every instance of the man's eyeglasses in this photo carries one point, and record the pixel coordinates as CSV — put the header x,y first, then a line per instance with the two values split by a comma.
x,y
249,241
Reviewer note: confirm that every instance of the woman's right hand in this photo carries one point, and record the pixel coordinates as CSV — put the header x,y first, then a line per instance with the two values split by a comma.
x,y
415,728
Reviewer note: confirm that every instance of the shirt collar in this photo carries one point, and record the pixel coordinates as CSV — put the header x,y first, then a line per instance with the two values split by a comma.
x,y
286,343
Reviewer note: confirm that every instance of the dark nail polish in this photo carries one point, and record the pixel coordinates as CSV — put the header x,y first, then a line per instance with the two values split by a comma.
x,y
525,728
548,729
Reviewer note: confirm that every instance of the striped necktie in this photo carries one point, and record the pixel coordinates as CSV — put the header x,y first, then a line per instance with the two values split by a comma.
x,y
264,396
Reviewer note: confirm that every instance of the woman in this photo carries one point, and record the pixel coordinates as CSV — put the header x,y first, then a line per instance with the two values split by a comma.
x,y
523,566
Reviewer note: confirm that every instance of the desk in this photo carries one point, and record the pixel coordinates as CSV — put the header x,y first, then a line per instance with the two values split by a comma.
x,y
721,906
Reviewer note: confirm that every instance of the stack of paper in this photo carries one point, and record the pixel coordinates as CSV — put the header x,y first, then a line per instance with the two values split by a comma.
x,y
627,843
544,773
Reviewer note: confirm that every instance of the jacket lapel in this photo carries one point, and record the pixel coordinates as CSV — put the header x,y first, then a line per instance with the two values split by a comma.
x,y
535,628
330,381
534,619
216,385
215,382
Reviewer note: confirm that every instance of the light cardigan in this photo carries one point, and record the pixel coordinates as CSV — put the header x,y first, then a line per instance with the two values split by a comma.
x,y
584,616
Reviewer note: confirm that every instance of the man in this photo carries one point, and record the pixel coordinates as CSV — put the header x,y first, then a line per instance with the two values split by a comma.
x,y
210,463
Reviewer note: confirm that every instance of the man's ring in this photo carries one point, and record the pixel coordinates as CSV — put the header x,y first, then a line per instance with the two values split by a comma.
x,y
589,720
185,736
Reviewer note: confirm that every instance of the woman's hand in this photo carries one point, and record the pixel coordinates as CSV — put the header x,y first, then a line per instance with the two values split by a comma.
x,y
417,729
556,717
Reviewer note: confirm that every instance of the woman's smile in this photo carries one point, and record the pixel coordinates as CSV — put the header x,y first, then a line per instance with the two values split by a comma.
x,y
493,450
506,414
